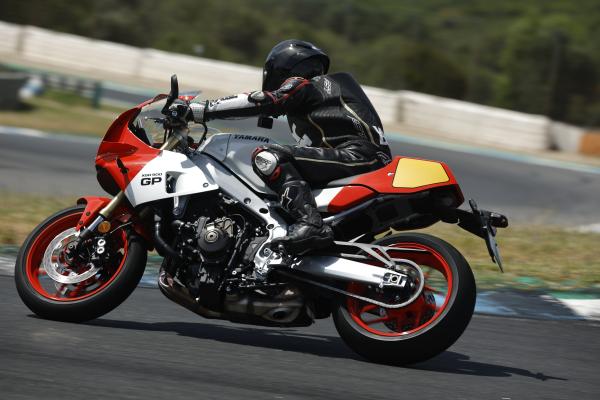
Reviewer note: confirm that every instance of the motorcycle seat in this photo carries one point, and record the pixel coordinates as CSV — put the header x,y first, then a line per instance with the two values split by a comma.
x,y
338,182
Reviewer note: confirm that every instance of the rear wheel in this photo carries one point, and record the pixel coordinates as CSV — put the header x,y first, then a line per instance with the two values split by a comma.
x,y
423,328
58,284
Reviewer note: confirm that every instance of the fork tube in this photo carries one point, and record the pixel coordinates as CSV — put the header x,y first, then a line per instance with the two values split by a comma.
x,y
107,211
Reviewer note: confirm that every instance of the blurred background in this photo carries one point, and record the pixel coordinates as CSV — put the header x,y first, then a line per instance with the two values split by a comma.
x,y
507,93
537,57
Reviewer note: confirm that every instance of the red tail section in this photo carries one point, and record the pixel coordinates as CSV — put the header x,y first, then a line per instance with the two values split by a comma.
x,y
403,175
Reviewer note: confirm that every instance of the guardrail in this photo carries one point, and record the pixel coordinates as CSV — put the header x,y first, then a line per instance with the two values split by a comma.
x,y
447,118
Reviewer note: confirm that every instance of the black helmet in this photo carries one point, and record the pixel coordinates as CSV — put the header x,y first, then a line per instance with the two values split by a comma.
x,y
293,58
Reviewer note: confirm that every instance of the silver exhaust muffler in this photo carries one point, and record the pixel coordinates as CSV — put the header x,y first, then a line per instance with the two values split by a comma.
x,y
321,270
338,268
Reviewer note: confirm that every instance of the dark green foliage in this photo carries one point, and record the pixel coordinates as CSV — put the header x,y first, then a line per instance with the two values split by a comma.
x,y
538,56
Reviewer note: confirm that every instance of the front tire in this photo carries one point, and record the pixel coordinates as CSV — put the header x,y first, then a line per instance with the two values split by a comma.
x,y
85,300
422,329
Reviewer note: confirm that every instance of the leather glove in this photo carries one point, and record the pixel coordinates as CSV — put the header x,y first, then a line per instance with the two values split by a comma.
x,y
197,112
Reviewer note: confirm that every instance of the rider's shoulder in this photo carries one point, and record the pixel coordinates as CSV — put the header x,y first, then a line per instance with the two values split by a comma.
x,y
326,84
293,83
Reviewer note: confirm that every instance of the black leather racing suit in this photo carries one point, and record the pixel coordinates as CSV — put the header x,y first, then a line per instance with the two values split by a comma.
x,y
338,131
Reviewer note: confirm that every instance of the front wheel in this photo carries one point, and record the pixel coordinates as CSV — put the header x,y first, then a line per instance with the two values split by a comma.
x,y
61,285
423,328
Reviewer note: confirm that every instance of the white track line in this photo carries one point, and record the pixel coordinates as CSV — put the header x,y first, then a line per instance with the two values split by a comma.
x,y
11,130
586,308
591,228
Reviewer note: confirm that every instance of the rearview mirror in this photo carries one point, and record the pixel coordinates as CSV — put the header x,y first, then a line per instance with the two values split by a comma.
x,y
173,94
174,87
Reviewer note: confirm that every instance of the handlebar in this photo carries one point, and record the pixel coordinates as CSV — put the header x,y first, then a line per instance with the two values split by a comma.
x,y
176,130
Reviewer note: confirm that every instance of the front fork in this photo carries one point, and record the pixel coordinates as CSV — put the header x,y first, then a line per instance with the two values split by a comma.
x,y
104,214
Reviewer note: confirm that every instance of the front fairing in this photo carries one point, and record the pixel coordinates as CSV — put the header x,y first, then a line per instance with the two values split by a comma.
x,y
124,150
132,141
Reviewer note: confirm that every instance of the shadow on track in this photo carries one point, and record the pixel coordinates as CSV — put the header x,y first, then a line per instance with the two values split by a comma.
x,y
323,346
286,340
457,363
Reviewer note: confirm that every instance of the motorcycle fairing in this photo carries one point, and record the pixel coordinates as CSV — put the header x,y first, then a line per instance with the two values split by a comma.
x,y
404,175
93,205
169,174
122,155
334,200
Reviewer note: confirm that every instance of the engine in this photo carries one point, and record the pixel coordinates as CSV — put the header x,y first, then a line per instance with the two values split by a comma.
x,y
216,240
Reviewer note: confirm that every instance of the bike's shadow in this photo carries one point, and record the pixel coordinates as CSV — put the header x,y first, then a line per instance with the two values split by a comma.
x,y
458,363
319,345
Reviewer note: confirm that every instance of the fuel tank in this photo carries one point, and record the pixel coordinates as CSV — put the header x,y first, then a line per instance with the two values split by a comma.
x,y
235,152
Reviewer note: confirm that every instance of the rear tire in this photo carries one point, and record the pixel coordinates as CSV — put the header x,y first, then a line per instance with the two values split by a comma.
x,y
425,340
102,299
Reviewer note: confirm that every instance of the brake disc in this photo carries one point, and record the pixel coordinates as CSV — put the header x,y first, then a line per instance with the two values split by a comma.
x,y
57,268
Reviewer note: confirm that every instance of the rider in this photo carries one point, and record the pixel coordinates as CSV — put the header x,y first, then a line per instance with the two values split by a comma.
x,y
338,131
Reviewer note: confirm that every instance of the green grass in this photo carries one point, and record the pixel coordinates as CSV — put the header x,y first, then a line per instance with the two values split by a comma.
x,y
534,257
63,112
21,213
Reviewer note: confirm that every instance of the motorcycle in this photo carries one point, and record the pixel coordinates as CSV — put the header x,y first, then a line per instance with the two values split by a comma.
x,y
395,296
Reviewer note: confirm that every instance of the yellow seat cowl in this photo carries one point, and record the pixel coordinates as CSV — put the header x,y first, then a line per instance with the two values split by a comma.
x,y
413,173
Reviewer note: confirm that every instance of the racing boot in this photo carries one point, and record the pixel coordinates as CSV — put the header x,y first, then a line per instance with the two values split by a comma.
x,y
308,232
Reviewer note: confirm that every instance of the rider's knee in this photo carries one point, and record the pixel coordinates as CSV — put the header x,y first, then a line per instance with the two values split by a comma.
x,y
266,162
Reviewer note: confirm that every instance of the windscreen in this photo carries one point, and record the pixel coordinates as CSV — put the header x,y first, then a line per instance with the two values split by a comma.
x,y
149,128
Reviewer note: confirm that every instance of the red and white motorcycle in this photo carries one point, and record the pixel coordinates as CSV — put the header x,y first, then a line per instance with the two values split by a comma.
x,y
394,297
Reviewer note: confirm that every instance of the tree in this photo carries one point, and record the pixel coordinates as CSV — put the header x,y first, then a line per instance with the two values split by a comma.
x,y
544,71
395,63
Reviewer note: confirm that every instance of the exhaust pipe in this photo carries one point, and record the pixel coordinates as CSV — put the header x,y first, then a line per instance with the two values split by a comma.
x,y
284,309
180,295
337,268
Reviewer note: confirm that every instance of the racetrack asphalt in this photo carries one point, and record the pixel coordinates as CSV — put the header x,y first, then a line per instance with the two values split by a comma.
x,y
150,348
526,192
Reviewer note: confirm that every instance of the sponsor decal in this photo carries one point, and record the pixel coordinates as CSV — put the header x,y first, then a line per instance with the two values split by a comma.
x,y
151,178
286,88
358,126
287,199
234,96
266,162
250,137
302,140
150,181
327,85
379,131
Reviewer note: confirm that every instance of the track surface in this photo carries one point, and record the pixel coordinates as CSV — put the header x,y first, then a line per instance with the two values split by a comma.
x,y
524,191
150,348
